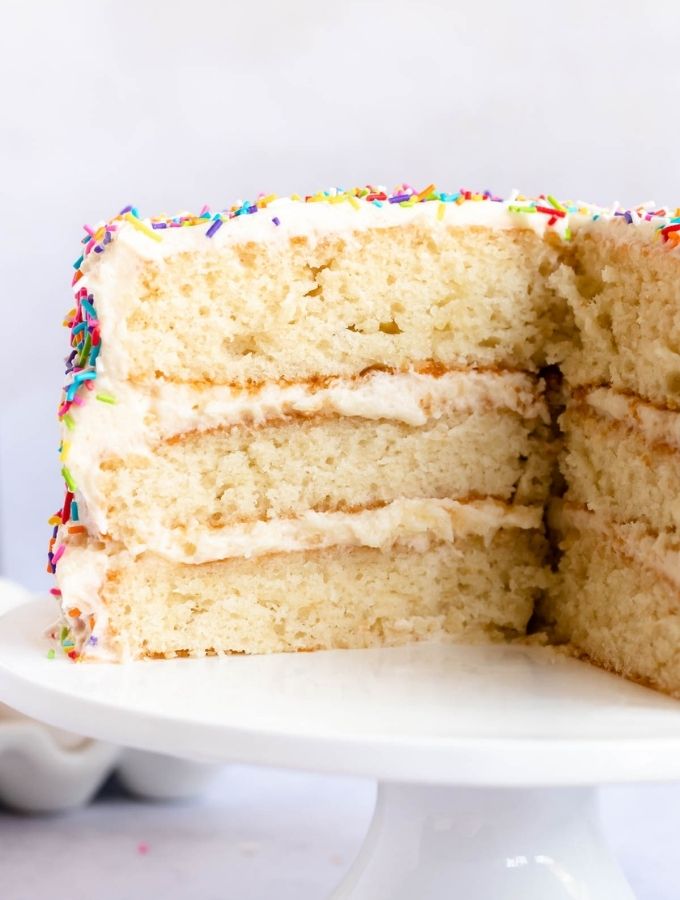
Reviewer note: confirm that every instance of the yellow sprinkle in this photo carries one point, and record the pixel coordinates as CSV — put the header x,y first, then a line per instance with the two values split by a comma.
x,y
425,192
295,197
265,201
142,226
54,520
337,198
441,210
65,448
353,200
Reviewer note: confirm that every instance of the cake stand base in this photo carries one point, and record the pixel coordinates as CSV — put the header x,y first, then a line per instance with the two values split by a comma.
x,y
435,842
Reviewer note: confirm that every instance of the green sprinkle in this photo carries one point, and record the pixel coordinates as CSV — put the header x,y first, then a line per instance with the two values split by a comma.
x,y
69,421
522,209
63,634
555,203
68,478
106,398
51,654
567,234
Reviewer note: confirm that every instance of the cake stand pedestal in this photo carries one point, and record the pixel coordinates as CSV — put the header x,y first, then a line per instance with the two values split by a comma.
x,y
485,755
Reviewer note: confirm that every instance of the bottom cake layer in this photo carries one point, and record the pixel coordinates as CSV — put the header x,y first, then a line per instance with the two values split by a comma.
x,y
617,599
339,597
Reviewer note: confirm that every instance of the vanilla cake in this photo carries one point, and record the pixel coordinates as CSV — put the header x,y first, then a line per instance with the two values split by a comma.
x,y
336,421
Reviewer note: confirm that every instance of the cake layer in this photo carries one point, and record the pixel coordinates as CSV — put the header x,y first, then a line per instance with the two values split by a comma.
x,y
298,304
622,458
318,599
185,492
618,599
130,430
624,291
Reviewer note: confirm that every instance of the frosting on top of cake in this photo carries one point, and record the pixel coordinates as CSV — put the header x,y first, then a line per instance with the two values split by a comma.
x,y
338,209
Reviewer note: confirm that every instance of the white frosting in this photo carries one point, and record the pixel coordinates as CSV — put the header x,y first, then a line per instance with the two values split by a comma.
x,y
314,220
144,416
656,425
415,522
80,576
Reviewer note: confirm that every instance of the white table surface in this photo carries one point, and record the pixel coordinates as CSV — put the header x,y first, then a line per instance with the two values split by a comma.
x,y
262,834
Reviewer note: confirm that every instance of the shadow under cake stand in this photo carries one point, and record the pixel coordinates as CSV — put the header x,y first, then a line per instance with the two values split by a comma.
x,y
486,757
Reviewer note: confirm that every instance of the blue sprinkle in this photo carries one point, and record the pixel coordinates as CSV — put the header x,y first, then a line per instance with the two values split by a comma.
x,y
77,264
89,309
84,376
74,511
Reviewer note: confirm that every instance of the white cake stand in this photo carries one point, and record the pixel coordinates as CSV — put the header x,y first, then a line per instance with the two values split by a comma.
x,y
484,755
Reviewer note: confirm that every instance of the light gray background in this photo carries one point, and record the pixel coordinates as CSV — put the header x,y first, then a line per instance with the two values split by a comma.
x,y
170,105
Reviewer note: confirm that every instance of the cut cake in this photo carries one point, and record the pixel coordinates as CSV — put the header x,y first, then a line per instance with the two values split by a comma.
x,y
323,422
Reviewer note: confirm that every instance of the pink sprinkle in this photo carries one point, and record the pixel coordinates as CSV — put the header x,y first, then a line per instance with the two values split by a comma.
x,y
78,400
55,592
58,554
143,848
204,209
89,230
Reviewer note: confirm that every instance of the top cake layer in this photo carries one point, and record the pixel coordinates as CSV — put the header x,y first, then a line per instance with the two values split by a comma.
x,y
335,283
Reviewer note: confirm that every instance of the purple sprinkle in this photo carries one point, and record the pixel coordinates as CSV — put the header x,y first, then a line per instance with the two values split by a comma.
x,y
400,198
158,225
252,209
93,640
628,217
216,225
98,249
276,220
107,237
125,209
